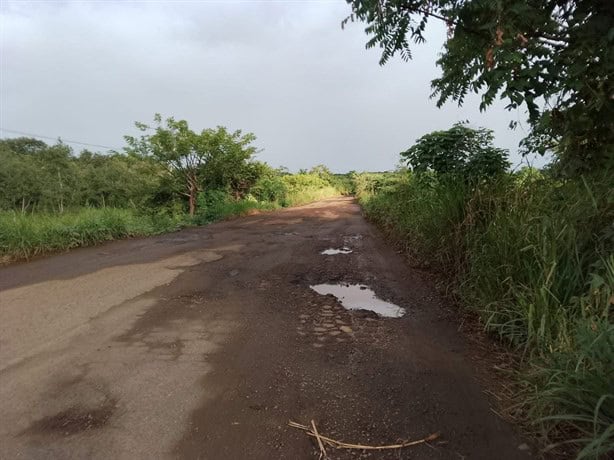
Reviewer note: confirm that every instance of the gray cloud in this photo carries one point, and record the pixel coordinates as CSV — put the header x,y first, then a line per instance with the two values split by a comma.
x,y
284,70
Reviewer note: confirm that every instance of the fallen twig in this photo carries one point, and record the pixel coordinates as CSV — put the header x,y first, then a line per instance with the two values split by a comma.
x,y
315,433
312,431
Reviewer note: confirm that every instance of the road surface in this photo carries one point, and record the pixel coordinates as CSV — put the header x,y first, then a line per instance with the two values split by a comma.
x,y
204,343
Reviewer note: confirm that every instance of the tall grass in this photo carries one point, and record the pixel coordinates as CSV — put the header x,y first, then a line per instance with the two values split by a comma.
x,y
527,253
23,236
572,387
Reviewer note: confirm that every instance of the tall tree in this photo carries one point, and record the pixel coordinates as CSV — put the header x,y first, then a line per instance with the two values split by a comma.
x,y
231,164
554,57
194,158
179,148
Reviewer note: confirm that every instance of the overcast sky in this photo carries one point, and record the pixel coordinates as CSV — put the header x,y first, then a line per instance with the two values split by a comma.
x,y
284,70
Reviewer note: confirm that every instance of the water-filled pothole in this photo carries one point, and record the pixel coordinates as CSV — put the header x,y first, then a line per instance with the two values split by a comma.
x,y
359,297
334,252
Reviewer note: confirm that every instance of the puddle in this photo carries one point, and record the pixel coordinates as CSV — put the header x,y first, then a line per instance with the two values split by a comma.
x,y
334,252
359,297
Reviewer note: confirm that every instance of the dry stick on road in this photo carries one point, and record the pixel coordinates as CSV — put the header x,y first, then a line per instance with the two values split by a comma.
x,y
344,445
315,433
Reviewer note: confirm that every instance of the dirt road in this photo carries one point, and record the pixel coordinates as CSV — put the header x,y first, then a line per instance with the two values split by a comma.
x,y
204,343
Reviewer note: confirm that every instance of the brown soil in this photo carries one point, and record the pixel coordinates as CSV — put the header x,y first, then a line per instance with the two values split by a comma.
x,y
204,343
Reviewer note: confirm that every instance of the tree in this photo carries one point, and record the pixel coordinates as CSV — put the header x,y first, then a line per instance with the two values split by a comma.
x,y
555,57
33,174
19,184
58,176
193,158
230,165
117,180
322,171
459,151
176,146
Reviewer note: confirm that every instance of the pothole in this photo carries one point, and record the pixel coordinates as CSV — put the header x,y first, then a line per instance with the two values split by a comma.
x,y
359,297
350,238
74,420
334,252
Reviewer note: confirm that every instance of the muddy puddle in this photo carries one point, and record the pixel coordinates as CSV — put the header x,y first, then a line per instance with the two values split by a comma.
x,y
359,297
334,252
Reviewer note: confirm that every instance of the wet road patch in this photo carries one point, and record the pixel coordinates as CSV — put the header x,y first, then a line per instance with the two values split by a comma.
x,y
359,297
334,252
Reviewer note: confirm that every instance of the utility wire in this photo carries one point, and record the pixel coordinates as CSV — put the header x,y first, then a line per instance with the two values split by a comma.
x,y
12,131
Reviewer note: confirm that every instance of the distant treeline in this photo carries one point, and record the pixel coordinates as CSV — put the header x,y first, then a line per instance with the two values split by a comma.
x,y
37,177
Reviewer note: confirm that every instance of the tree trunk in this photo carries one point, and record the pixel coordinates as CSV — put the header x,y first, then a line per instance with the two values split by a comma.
x,y
61,206
192,192
192,200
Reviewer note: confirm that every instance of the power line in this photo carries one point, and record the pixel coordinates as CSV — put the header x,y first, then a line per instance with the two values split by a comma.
x,y
22,133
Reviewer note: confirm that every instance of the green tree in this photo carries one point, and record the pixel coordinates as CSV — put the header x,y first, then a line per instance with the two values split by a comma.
x,y
231,166
19,185
57,174
177,147
193,158
555,57
270,185
459,151
323,172
35,175
117,180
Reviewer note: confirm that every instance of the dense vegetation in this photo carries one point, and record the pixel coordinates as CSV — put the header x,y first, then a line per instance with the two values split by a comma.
x,y
533,254
53,199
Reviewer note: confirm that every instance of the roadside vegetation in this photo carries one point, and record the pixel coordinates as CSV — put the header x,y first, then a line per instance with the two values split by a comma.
x,y
52,199
533,254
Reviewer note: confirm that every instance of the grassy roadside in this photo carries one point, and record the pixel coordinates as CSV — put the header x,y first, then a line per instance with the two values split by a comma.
x,y
534,257
23,236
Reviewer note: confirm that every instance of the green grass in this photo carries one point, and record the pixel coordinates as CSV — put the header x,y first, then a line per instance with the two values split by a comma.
x,y
23,236
533,256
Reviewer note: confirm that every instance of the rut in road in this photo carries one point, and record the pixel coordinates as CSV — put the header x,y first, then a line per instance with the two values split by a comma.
x,y
204,343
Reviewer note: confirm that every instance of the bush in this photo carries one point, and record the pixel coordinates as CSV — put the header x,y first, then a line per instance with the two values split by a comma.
x,y
270,188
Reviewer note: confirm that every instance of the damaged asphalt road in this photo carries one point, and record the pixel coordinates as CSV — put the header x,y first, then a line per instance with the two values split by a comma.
x,y
204,343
